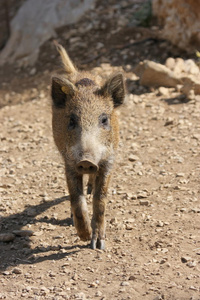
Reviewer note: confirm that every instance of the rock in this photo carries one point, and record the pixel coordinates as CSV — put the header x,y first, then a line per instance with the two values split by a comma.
x,y
158,298
131,196
93,284
170,63
31,212
179,66
180,21
185,259
52,274
113,221
155,75
7,97
98,294
132,277
130,220
33,71
75,277
6,273
135,146
80,296
163,260
129,227
44,290
180,175
160,224
133,157
196,136
48,15
191,264
7,237
163,91
169,121
41,96
183,209
142,194
125,283
193,288
144,202
17,271
55,248
74,40
191,67
23,232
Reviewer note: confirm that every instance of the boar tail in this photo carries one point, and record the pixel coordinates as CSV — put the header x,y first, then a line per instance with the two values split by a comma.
x,y
67,63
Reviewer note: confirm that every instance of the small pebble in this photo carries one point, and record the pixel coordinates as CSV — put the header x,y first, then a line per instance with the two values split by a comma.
x,y
17,271
192,264
185,259
133,158
125,283
7,237
144,202
98,294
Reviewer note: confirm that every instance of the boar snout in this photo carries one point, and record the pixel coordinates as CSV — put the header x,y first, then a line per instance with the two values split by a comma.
x,y
86,167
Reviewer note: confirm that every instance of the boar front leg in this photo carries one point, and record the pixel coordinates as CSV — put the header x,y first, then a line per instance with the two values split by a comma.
x,y
99,205
78,206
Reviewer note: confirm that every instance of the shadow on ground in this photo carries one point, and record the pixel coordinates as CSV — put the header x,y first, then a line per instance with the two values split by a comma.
x,y
176,100
19,249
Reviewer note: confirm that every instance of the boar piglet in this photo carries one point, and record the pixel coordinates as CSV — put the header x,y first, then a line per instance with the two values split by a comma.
x,y
85,130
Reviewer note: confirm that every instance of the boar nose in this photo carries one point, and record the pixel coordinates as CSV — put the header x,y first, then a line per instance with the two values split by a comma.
x,y
86,167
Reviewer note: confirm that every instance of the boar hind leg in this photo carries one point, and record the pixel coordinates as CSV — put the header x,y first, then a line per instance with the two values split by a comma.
x,y
90,185
79,207
99,205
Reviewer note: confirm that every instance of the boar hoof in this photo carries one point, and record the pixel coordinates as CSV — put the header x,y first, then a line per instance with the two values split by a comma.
x,y
99,244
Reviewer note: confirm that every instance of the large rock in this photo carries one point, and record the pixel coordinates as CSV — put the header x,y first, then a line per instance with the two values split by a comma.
x,y
35,23
175,72
180,20
155,75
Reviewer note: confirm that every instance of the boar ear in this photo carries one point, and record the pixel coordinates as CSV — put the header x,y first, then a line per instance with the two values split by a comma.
x,y
61,90
115,87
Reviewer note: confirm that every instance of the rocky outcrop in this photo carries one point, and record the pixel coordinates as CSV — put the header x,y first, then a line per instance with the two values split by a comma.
x,y
35,23
180,21
155,74
175,72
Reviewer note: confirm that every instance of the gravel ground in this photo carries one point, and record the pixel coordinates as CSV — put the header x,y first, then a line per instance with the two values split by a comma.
x,y
152,244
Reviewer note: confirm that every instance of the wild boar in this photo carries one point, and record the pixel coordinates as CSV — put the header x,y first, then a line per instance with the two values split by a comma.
x,y
86,133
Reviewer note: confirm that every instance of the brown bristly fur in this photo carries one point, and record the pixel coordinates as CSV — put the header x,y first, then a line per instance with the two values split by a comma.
x,y
85,130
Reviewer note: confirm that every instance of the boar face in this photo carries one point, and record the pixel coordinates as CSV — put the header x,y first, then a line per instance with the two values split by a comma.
x,y
85,126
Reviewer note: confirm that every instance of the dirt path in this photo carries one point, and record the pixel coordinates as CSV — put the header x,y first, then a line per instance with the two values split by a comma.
x,y
152,212
153,242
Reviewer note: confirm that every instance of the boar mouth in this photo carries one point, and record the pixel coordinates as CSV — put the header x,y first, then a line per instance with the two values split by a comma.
x,y
86,167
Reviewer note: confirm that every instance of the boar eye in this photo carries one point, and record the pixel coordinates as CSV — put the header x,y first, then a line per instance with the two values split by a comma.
x,y
72,122
103,120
